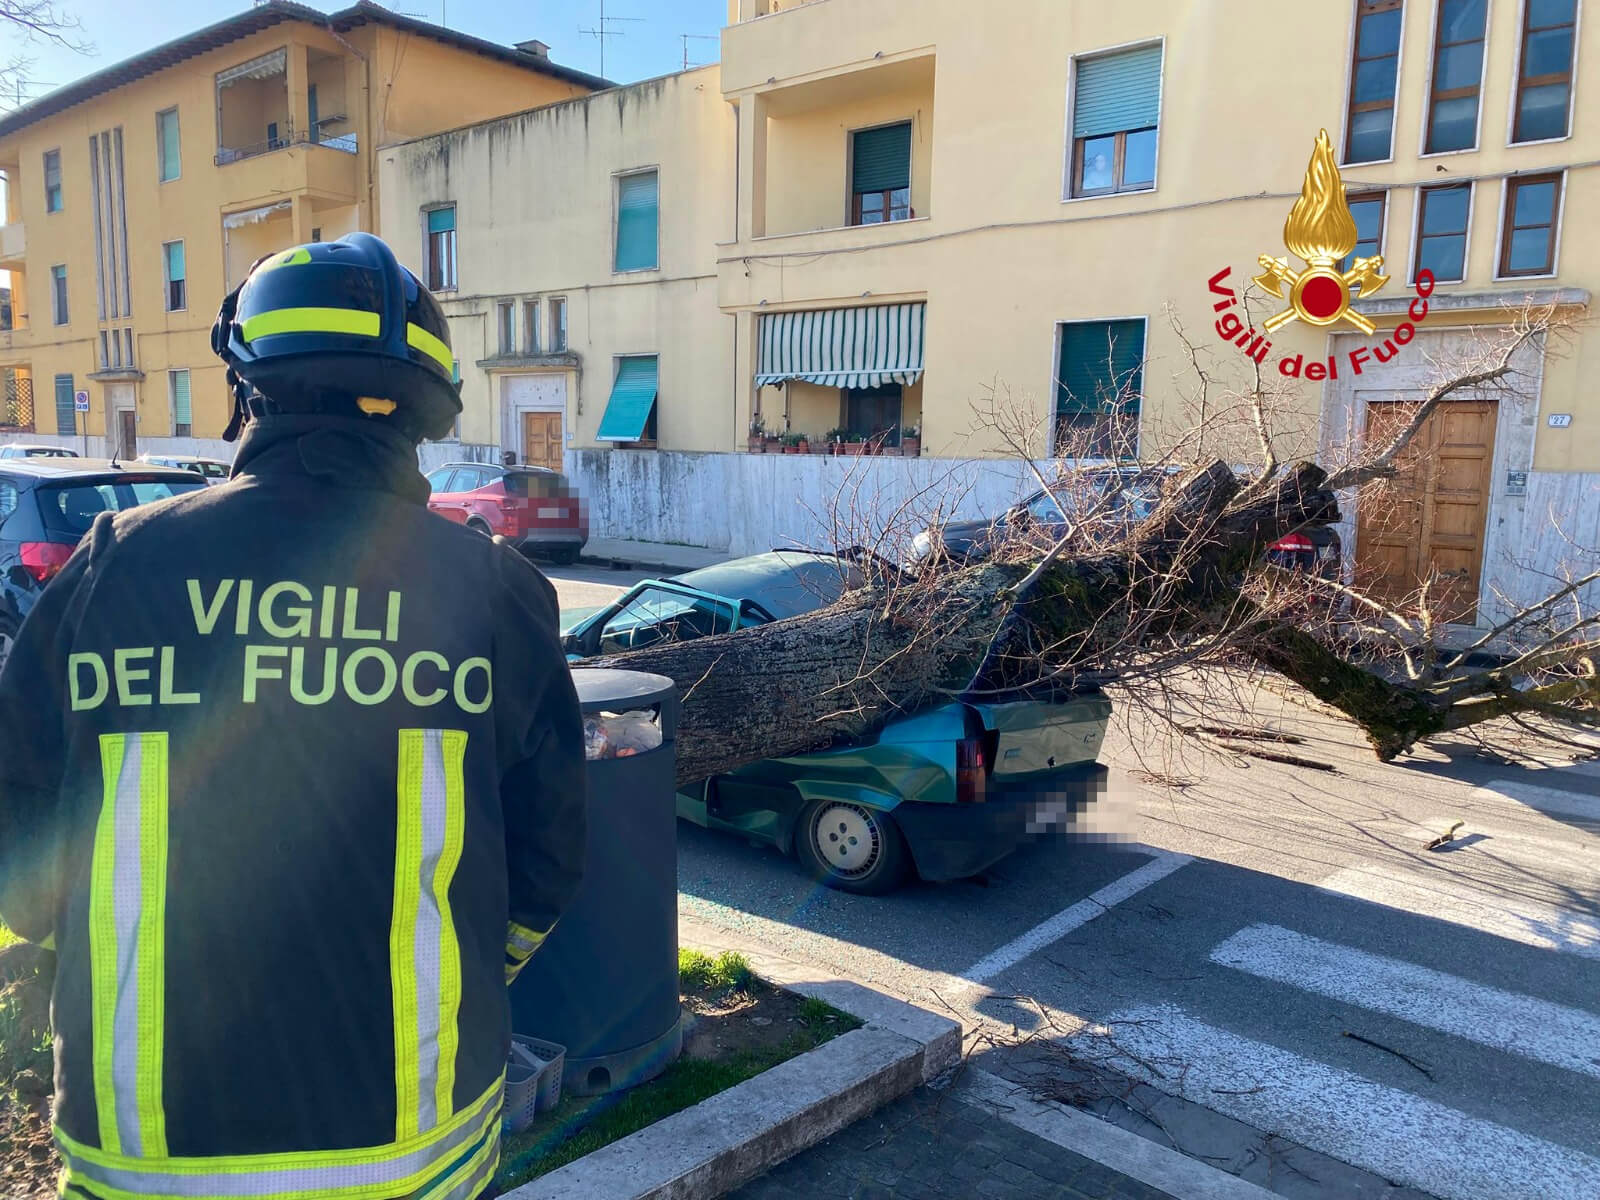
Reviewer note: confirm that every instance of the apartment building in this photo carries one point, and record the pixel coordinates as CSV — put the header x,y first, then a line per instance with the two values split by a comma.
x,y
137,197
1045,223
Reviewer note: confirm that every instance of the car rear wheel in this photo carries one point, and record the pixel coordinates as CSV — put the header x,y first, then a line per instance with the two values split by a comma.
x,y
851,847
564,557
477,525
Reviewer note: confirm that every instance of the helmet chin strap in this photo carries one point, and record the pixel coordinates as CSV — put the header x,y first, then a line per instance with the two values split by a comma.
x,y
241,409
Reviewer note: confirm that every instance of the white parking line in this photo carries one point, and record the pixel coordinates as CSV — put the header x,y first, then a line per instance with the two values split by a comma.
x,y
1394,1133
1550,1033
1512,917
1068,919
1544,799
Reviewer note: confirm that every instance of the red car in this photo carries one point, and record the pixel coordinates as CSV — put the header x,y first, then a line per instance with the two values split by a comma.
x,y
536,509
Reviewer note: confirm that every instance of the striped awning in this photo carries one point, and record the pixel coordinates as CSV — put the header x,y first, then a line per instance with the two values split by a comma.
x,y
843,347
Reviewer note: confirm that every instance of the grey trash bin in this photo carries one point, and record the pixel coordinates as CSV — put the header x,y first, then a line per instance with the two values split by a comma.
x,y
605,983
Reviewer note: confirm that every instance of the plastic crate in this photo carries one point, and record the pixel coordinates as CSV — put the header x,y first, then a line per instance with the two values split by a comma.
x,y
533,1080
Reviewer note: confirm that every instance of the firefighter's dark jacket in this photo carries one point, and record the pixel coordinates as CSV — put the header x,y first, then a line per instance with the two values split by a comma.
x,y
291,771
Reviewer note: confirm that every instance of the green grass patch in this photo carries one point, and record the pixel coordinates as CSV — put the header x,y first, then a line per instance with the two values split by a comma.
x,y
728,972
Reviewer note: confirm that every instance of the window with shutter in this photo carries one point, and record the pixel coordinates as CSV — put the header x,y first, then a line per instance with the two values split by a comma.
x,y
441,248
66,415
167,151
1116,112
880,174
52,181
1099,386
177,276
178,395
637,222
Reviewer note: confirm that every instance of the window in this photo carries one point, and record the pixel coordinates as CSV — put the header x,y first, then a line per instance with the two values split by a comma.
x,y
167,152
1457,75
178,397
874,413
316,233
8,498
558,325
177,278
66,411
1528,240
880,174
508,331
58,294
637,222
1368,210
52,181
1544,75
530,327
659,615
1099,385
630,414
1374,65
1442,232
1116,105
441,248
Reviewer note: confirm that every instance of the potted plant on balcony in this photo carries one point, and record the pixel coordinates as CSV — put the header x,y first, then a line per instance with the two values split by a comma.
x,y
835,438
758,436
803,444
911,441
791,443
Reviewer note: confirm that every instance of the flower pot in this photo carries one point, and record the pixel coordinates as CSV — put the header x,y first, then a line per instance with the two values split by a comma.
x,y
855,448
804,447
791,449
774,445
758,444
911,447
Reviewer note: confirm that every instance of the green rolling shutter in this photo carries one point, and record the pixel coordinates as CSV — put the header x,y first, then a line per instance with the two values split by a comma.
x,y
170,160
633,395
66,418
442,220
181,408
637,208
880,159
1117,92
1102,364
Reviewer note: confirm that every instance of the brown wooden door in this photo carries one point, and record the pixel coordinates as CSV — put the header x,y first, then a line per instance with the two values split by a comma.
x,y
541,439
1429,518
128,445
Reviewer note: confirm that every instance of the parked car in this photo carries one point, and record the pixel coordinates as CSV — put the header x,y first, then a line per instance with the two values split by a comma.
x,y
212,470
47,504
942,793
1113,497
36,450
537,509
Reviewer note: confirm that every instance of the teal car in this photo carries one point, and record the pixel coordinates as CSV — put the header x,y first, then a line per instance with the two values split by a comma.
x,y
941,794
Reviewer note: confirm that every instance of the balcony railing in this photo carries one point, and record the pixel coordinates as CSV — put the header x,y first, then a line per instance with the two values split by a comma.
x,y
345,143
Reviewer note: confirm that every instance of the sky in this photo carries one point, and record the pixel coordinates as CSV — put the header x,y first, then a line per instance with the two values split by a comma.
x,y
643,46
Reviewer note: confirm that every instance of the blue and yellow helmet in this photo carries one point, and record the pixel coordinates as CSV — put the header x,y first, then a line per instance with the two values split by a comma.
x,y
342,328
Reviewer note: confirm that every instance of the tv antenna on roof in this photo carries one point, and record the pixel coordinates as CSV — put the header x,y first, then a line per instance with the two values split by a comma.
x,y
701,37
602,32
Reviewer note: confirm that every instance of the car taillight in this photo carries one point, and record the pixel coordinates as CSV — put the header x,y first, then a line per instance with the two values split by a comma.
x,y
44,559
1294,542
972,771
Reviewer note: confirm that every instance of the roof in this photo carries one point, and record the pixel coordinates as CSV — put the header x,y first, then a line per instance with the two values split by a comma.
x,y
61,468
263,16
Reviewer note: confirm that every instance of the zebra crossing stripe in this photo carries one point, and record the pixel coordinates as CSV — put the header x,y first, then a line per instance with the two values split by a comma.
x,y
1401,1136
1545,799
1550,1033
1525,921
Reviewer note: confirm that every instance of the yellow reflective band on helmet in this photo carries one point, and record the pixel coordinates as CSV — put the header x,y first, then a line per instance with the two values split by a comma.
x,y
421,339
406,1168
424,956
127,930
289,258
311,320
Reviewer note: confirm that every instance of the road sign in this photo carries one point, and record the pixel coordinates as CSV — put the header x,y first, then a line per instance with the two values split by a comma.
x,y
80,401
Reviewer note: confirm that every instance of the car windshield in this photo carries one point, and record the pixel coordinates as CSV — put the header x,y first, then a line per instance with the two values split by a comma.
x,y
659,615
71,508
785,584
212,470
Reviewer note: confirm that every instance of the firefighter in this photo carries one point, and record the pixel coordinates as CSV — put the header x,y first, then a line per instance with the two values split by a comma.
x,y
291,778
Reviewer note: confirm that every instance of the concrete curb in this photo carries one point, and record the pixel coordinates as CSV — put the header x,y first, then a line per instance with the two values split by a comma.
x,y
736,1135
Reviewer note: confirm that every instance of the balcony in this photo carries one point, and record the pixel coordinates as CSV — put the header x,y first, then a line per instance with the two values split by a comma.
x,y
850,264
13,246
792,40
327,169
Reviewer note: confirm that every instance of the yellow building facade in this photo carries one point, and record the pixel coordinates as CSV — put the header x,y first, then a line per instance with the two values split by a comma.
x,y
1038,229
138,196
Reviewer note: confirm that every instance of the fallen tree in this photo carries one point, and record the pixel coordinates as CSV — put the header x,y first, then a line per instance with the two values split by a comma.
x,y
1186,585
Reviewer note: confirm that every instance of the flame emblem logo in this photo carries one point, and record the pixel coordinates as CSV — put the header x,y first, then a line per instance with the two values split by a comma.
x,y
1321,231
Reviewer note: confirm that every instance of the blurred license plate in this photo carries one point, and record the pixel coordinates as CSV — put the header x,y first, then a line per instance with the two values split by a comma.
x,y
549,514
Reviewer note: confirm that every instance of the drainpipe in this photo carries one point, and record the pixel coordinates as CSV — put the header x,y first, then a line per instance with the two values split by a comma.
x,y
367,150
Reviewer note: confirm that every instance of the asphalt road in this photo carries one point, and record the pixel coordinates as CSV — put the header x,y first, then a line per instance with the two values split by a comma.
x,y
1265,966
582,586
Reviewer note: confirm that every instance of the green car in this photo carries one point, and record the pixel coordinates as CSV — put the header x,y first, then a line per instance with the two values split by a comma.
x,y
943,793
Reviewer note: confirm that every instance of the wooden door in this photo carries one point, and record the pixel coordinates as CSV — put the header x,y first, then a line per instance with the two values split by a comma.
x,y
127,446
541,439
1429,519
